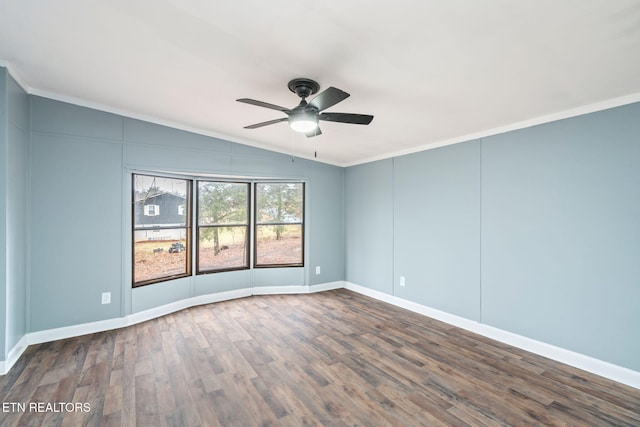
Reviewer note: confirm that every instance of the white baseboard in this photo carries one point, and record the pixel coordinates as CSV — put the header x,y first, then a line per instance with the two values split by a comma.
x,y
75,330
586,363
14,355
330,286
281,290
153,313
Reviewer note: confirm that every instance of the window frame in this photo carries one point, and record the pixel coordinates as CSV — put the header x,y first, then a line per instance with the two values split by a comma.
x,y
188,227
256,224
192,226
247,226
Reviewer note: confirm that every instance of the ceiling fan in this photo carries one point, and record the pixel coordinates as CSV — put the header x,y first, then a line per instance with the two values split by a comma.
x,y
304,118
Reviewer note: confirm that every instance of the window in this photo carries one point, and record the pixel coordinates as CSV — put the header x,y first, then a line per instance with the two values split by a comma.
x,y
223,226
279,230
161,232
151,210
226,213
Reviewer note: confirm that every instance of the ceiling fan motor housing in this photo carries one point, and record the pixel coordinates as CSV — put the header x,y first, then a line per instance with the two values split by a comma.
x,y
303,87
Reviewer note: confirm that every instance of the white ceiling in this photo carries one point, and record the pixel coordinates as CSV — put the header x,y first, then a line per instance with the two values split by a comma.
x,y
431,72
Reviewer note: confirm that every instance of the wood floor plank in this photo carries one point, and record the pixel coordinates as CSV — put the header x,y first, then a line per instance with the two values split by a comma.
x,y
147,409
333,358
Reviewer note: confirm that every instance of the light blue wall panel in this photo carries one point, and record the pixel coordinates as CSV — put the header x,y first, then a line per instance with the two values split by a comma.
x,y
222,282
281,166
561,234
325,216
171,159
17,105
3,211
68,119
249,151
369,225
437,228
159,294
145,133
76,243
294,276
17,218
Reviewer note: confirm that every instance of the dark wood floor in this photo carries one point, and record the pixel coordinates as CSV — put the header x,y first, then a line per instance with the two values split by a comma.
x,y
334,358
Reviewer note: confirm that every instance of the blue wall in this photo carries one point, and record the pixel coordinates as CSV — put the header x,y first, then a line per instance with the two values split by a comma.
x,y
437,228
81,162
536,231
3,212
76,215
561,234
14,148
369,225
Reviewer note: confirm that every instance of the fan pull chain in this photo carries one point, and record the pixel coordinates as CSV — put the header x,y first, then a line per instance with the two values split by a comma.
x,y
293,147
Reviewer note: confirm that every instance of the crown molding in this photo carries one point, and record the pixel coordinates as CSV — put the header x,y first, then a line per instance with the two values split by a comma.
x,y
16,75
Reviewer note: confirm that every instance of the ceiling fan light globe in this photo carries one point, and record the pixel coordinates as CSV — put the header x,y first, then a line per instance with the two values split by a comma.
x,y
303,124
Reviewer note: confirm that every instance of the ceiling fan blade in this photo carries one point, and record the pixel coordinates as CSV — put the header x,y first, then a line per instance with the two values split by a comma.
x,y
357,119
264,104
270,122
328,98
314,132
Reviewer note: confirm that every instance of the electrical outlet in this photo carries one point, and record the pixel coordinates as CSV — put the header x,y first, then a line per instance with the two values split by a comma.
x,y
402,282
106,297
317,269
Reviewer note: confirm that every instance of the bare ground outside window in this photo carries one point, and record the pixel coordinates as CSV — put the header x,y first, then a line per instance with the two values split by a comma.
x,y
287,250
229,256
154,260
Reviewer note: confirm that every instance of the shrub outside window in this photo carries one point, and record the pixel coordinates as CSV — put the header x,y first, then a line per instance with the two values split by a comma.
x,y
161,231
223,226
279,224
